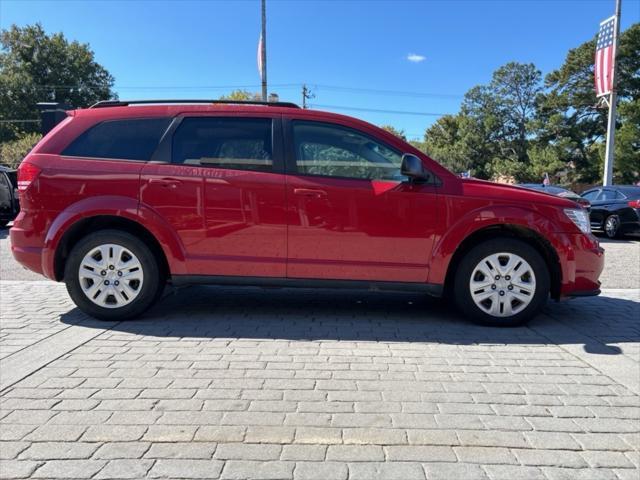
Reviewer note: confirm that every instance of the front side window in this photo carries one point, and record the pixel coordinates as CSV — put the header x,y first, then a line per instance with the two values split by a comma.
x,y
591,195
236,143
335,151
134,139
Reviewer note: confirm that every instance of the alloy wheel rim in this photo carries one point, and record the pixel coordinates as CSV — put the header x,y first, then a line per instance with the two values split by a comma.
x,y
111,276
502,284
611,226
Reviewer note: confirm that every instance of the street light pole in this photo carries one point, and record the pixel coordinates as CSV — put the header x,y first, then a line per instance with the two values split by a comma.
x,y
263,52
613,100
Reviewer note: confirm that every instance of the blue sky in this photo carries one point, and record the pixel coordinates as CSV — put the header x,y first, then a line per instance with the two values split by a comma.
x,y
351,53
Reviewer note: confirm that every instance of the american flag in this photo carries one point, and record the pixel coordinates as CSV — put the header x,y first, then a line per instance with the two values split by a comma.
x,y
605,55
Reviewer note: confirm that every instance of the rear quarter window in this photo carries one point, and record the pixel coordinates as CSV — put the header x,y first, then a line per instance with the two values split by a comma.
x,y
134,139
631,193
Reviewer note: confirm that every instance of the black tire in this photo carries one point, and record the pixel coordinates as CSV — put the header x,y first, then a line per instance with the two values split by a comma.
x,y
151,288
4,223
611,226
462,291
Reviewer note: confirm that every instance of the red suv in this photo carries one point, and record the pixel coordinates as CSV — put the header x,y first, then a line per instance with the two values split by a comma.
x,y
122,198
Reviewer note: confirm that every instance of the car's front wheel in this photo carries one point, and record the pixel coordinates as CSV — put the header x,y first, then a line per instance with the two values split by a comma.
x,y
502,282
112,275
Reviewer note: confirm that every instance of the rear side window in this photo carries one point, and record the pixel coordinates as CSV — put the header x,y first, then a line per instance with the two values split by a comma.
x,y
134,139
610,195
235,143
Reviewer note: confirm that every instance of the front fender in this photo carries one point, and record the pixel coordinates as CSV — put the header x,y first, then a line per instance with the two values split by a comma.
x,y
467,224
115,206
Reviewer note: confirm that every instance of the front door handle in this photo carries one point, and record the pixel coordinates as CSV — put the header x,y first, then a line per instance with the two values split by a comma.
x,y
165,182
309,192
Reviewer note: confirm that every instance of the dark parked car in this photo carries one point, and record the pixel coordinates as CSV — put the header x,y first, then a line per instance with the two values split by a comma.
x,y
559,192
615,209
9,206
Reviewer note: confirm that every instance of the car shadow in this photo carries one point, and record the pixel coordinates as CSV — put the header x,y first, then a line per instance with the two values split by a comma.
x,y
603,239
316,315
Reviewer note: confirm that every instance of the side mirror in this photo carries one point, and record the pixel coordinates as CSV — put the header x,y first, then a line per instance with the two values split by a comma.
x,y
412,167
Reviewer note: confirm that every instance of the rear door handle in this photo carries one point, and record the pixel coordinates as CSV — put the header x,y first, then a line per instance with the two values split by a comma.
x,y
309,192
165,182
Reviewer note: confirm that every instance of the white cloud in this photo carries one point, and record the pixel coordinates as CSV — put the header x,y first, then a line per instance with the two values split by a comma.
x,y
415,58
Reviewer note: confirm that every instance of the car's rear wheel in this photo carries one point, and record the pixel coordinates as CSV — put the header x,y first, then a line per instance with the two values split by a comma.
x,y
112,275
612,226
502,282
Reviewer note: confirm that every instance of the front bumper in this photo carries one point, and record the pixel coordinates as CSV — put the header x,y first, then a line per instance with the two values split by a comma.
x,y
582,262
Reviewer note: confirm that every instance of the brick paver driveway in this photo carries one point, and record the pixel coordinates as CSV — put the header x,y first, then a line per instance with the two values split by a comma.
x,y
238,384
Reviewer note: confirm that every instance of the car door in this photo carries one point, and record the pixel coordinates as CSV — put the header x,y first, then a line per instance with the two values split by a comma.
x,y
223,192
605,205
618,203
12,175
595,214
351,216
6,198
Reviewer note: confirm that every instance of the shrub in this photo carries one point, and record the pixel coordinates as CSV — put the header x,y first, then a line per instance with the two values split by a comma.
x,y
12,153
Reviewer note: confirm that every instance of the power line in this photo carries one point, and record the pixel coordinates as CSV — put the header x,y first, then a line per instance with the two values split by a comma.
x,y
162,87
281,85
379,110
388,92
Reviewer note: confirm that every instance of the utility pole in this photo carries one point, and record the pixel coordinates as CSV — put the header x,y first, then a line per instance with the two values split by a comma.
x,y
306,95
263,51
613,100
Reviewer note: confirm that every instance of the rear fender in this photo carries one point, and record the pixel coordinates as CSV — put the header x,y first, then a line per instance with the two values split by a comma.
x,y
116,206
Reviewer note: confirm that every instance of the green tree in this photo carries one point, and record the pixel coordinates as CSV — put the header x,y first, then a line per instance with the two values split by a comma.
x,y
490,135
627,154
571,120
514,88
445,141
240,96
37,67
398,133
516,126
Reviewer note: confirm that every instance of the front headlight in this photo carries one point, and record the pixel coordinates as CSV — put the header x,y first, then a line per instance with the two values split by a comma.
x,y
580,218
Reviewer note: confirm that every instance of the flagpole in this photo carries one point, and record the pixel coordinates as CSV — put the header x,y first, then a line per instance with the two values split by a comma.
x,y
613,100
263,52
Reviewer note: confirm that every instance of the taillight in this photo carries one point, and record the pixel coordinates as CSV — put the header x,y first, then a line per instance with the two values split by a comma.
x,y
27,173
634,203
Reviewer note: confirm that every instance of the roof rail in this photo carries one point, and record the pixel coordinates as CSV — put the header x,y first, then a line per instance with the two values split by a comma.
x,y
124,103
